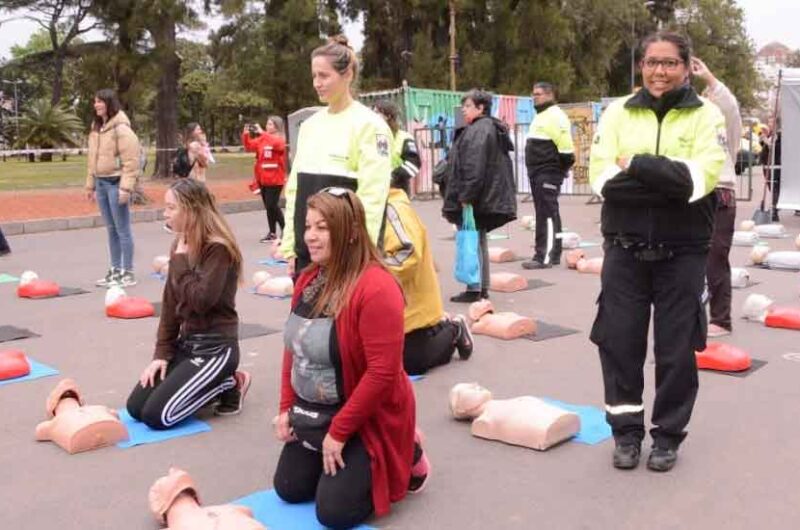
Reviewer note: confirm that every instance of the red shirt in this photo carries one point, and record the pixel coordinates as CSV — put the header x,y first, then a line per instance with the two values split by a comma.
x,y
270,166
379,401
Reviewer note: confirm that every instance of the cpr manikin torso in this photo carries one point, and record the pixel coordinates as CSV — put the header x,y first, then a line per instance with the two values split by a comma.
x,y
174,500
120,305
501,255
31,286
76,427
276,286
786,259
526,421
759,308
507,282
504,325
590,266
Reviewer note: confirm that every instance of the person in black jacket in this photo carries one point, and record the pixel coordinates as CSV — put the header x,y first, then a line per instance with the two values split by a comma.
x,y
481,174
4,247
772,176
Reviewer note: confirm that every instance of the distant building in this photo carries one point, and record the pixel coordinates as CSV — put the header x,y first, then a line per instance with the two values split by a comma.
x,y
769,61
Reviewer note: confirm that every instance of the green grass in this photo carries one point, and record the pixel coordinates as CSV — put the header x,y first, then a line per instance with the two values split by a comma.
x,y
21,175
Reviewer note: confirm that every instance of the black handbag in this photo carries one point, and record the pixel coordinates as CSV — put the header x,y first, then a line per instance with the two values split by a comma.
x,y
310,422
440,172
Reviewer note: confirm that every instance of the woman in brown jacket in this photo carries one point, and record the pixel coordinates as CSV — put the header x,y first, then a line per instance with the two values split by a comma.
x,y
113,169
197,347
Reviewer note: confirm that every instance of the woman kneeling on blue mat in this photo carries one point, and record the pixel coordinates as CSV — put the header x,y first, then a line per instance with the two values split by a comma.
x,y
197,347
347,409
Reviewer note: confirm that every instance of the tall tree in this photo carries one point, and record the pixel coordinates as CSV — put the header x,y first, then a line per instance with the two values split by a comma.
x,y
64,21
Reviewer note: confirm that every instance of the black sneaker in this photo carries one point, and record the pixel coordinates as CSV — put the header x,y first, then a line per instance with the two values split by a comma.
x,y
467,297
626,456
464,343
231,401
662,459
535,265
110,279
126,279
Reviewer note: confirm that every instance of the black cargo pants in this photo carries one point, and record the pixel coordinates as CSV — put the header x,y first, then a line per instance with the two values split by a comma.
x,y
632,282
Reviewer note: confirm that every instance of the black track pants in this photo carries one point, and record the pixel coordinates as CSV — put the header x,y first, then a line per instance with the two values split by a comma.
x,y
427,348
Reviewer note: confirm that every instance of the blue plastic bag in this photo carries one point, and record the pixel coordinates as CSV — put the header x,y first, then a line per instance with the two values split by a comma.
x,y
467,268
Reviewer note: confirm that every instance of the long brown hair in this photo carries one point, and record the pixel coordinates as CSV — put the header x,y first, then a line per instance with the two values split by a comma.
x,y
352,250
109,97
279,127
204,224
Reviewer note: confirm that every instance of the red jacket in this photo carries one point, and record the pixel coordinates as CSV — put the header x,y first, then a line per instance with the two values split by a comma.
x,y
270,166
379,400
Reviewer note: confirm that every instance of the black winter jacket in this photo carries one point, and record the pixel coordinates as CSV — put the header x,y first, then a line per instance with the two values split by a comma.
x,y
480,173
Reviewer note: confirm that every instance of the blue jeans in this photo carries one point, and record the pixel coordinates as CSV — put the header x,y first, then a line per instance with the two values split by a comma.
x,y
118,222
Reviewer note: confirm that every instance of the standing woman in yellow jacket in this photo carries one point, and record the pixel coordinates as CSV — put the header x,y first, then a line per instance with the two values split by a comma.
x,y
656,159
343,145
113,167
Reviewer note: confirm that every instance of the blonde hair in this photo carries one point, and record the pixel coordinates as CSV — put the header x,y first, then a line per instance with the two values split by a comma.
x,y
204,224
279,127
341,56
352,250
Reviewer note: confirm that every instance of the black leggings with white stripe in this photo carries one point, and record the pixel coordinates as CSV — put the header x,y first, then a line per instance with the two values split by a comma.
x,y
190,383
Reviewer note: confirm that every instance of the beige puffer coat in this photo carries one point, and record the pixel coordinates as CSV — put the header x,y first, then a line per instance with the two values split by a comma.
x,y
114,152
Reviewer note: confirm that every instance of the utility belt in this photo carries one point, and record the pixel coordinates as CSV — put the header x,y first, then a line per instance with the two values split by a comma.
x,y
652,252
205,344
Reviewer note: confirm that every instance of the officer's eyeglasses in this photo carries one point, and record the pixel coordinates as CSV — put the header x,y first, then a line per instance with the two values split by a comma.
x,y
666,64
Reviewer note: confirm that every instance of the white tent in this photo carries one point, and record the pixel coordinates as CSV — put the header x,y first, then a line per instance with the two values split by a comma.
x,y
790,125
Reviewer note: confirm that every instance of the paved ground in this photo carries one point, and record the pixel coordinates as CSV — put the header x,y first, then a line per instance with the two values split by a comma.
x,y
737,470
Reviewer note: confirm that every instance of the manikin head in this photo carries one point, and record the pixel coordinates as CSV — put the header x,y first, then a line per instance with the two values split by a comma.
x,y
467,400
755,307
747,225
759,254
27,277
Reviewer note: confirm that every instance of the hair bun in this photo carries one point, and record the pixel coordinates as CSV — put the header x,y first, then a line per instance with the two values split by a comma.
x,y
339,39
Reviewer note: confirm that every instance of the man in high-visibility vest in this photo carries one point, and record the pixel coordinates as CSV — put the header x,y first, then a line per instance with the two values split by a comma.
x,y
549,154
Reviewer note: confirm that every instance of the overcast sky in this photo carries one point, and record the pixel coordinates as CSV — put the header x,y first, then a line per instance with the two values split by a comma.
x,y
767,21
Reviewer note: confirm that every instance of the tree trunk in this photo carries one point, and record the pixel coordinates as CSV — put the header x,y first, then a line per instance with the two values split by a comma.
x,y
163,33
58,75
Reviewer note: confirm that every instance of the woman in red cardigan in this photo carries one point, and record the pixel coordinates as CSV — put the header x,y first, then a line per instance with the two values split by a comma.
x,y
269,172
347,411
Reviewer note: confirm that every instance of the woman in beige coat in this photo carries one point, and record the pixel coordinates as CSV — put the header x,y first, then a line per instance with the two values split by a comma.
x,y
113,169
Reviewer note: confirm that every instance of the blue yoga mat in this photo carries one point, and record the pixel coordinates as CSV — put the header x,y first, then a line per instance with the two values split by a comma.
x,y
38,370
272,262
139,433
594,428
588,244
415,378
275,514
253,291
7,278
158,276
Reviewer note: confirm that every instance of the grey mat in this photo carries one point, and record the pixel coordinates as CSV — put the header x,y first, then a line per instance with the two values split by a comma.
x,y
545,331
249,331
533,283
70,291
8,333
755,364
246,330
768,268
